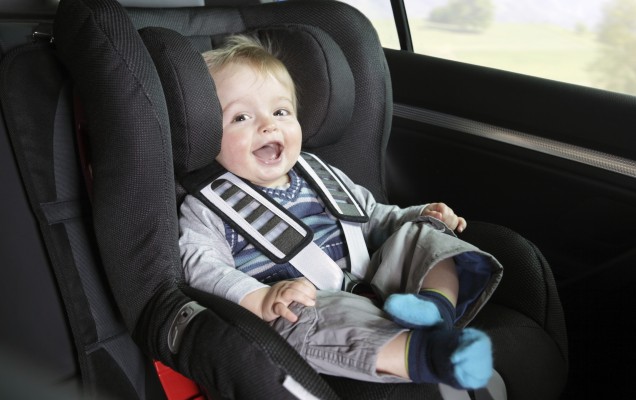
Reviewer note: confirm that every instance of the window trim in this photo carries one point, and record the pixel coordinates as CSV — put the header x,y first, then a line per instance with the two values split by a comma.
x,y
594,158
402,25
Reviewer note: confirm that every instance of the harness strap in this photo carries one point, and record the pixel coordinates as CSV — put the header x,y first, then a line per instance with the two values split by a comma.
x,y
280,235
331,189
358,252
273,230
341,204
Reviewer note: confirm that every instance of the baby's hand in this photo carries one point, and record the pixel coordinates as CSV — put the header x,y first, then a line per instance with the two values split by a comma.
x,y
278,298
445,214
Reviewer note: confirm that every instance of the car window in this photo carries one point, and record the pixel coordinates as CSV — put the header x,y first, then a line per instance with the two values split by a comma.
x,y
584,42
380,13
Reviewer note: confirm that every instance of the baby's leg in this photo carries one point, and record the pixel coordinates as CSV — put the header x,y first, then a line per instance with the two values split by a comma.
x,y
459,358
342,335
433,305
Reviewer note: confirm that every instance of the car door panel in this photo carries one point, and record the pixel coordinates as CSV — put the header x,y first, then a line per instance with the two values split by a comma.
x,y
553,161
551,199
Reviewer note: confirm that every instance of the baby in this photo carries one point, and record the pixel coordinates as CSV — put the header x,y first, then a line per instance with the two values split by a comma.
x,y
432,284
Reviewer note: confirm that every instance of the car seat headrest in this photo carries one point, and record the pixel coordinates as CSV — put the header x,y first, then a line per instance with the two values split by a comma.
x,y
193,108
323,79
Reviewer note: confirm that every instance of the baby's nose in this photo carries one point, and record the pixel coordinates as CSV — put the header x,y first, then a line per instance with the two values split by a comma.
x,y
269,127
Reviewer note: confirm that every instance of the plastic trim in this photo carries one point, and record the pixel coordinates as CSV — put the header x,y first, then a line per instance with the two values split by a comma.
x,y
594,158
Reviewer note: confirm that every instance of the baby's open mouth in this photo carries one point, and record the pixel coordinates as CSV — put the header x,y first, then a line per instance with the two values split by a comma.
x,y
269,152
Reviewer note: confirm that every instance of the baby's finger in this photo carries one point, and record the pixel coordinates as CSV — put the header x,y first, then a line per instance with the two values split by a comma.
x,y
300,294
306,287
434,214
446,211
452,221
283,311
461,225
297,289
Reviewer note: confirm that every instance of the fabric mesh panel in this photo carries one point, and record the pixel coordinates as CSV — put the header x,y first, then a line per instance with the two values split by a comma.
x,y
539,360
325,84
43,136
137,168
177,61
528,284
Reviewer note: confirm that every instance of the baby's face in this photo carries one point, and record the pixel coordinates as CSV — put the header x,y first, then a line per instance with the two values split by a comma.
x,y
261,134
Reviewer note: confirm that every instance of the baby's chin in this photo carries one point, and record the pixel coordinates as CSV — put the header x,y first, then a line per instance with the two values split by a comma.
x,y
273,183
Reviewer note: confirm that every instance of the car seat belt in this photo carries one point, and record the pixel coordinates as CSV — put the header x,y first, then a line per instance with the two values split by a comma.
x,y
342,205
283,237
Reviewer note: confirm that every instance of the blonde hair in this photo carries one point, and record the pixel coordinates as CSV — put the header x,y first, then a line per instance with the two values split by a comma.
x,y
248,50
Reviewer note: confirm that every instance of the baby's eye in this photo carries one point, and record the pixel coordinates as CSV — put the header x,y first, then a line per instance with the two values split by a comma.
x,y
281,113
240,118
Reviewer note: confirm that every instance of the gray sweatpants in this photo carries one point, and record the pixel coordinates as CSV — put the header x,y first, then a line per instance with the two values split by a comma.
x,y
343,333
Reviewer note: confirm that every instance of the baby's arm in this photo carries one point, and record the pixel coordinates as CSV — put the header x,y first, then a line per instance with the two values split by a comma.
x,y
445,214
206,256
209,266
273,302
388,217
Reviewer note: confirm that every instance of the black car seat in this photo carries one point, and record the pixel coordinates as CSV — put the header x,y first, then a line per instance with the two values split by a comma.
x,y
135,270
309,53
60,318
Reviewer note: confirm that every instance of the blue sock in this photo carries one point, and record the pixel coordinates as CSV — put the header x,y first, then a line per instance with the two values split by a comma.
x,y
459,358
425,309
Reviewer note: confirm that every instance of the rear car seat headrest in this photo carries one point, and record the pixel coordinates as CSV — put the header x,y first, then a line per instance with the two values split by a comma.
x,y
318,66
